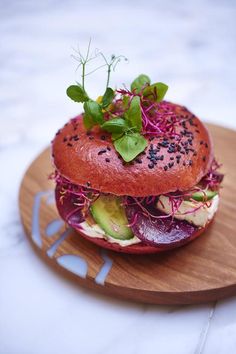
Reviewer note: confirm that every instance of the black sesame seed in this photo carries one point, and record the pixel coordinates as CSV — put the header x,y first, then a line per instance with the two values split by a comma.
x,y
91,137
206,145
204,158
102,151
108,148
191,121
165,168
103,137
65,139
170,164
69,144
138,160
150,165
107,159
172,158
201,142
88,184
184,163
190,162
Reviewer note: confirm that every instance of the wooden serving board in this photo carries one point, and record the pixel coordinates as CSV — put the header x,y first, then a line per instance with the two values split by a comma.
x,y
204,270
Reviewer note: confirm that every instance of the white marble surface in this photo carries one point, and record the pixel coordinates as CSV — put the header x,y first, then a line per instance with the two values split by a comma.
x,y
188,44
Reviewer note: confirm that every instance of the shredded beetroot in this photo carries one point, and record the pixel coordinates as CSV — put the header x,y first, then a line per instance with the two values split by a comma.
x,y
83,196
213,178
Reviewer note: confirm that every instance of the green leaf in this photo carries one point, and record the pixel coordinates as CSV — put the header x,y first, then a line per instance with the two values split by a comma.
x,y
94,110
88,121
116,136
130,145
107,97
77,93
116,125
157,91
133,115
139,82
125,101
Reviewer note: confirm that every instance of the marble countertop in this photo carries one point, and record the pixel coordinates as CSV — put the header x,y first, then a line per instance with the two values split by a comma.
x,y
191,46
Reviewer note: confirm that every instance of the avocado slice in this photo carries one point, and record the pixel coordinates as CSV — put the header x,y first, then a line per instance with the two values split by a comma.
x,y
204,196
109,214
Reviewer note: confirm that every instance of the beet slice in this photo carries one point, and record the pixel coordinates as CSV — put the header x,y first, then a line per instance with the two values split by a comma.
x,y
66,208
165,233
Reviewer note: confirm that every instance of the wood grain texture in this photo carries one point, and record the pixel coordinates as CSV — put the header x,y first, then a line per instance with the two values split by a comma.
x,y
204,270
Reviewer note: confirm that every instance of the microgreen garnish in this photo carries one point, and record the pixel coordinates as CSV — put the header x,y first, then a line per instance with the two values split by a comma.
x,y
130,145
108,97
127,115
77,93
155,92
116,125
140,82
133,114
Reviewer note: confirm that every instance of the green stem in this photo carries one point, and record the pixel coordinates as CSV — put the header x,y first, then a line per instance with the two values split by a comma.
x,y
83,74
108,75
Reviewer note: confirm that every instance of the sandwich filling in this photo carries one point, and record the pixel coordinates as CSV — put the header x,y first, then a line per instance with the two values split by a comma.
x,y
155,220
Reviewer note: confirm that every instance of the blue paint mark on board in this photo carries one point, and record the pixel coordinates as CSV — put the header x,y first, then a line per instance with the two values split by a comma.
x,y
105,269
36,236
53,227
75,264
51,199
52,250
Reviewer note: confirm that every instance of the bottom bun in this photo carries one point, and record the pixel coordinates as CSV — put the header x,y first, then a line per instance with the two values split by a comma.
x,y
140,248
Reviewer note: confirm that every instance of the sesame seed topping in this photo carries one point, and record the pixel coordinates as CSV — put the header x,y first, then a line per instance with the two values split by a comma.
x,y
150,165
102,151
107,159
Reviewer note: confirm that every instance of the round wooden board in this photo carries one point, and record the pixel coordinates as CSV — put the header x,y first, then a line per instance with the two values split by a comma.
x,y
204,270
